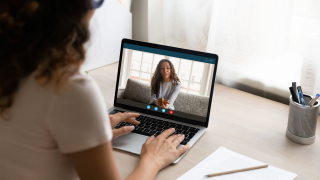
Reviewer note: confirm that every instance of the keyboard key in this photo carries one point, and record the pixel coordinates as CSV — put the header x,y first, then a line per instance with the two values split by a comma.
x,y
185,132
184,142
151,126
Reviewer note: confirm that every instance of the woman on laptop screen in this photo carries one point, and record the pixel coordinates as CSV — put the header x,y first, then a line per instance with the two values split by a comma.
x,y
165,85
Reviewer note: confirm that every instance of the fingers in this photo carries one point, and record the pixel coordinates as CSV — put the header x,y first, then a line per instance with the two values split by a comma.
x,y
122,131
166,101
131,114
149,139
132,121
183,149
166,133
177,139
129,117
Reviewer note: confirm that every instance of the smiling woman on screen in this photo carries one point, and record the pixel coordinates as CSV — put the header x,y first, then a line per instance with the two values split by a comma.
x,y
54,122
165,85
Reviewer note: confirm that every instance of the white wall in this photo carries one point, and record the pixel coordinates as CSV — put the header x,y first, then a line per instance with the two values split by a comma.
x,y
147,18
109,25
155,21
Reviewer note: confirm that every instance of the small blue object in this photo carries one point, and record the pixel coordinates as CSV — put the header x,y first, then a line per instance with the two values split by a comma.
x,y
302,99
156,108
163,110
148,106
95,4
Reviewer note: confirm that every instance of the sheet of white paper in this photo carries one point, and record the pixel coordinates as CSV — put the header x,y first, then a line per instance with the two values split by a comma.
x,y
224,160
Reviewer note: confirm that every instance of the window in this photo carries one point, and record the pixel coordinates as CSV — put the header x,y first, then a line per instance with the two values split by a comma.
x,y
190,73
143,65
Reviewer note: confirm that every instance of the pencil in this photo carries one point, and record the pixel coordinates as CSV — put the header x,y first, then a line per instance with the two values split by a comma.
x,y
237,170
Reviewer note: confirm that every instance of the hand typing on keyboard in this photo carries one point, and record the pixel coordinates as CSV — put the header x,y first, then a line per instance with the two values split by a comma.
x,y
162,150
117,118
150,126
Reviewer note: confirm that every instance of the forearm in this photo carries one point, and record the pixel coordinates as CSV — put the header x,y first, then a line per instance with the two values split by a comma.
x,y
145,170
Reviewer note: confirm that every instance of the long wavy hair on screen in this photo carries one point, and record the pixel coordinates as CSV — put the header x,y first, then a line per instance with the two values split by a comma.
x,y
157,78
41,36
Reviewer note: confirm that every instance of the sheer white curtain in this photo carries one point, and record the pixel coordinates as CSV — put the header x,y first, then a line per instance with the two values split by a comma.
x,y
186,23
263,45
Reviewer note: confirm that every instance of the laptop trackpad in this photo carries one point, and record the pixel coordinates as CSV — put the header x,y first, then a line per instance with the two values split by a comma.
x,y
130,142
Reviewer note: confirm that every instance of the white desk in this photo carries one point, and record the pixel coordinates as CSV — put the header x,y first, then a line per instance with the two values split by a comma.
x,y
242,122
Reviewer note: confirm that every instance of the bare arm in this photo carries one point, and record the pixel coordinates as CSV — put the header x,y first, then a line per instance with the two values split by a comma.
x,y
98,163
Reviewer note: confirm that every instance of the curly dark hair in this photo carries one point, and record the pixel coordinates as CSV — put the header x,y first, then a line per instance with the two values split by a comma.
x,y
42,36
157,78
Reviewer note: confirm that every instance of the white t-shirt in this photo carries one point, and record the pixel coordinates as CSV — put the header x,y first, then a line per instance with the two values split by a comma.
x,y
45,126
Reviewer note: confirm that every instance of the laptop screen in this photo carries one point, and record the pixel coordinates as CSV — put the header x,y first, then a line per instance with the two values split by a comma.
x,y
166,81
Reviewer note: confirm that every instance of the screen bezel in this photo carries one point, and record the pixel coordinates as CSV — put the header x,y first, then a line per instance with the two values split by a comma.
x,y
175,49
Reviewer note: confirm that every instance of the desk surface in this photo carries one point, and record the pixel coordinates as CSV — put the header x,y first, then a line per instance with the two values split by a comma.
x,y
242,122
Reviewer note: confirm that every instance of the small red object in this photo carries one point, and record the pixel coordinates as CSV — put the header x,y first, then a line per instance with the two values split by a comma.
x,y
171,111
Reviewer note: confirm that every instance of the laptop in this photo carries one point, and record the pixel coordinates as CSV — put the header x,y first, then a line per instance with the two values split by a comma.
x,y
190,111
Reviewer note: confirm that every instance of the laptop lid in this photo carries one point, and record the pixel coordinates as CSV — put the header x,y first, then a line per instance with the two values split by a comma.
x,y
190,91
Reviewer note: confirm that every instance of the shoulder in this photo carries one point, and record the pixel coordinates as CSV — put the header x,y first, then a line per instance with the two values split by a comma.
x,y
80,92
81,82
78,111
178,84
80,85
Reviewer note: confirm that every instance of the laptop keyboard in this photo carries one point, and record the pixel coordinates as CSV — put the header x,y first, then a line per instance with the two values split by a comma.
x,y
151,126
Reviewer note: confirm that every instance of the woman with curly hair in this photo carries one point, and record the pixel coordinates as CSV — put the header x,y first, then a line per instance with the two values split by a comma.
x,y
165,85
53,119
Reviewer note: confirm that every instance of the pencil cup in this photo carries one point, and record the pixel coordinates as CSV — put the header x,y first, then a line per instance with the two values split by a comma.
x,y
302,121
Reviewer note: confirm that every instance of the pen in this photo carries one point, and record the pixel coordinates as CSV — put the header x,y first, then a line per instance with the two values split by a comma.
x,y
237,170
302,99
299,89
312,101
293,94
294,86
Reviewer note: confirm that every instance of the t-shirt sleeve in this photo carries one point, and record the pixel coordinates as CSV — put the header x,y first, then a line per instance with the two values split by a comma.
x,y
174,95
154,99
79,119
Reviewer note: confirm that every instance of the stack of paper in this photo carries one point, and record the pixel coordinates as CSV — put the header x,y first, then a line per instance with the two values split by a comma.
x,y
226,160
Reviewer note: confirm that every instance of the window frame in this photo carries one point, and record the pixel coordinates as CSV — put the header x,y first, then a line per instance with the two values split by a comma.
x,y
204,78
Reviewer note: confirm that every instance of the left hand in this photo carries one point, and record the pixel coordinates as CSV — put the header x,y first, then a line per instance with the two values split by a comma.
x,y
123,117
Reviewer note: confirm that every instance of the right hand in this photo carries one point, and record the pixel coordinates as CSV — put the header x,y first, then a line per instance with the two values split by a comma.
x,y
162,150
164,103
